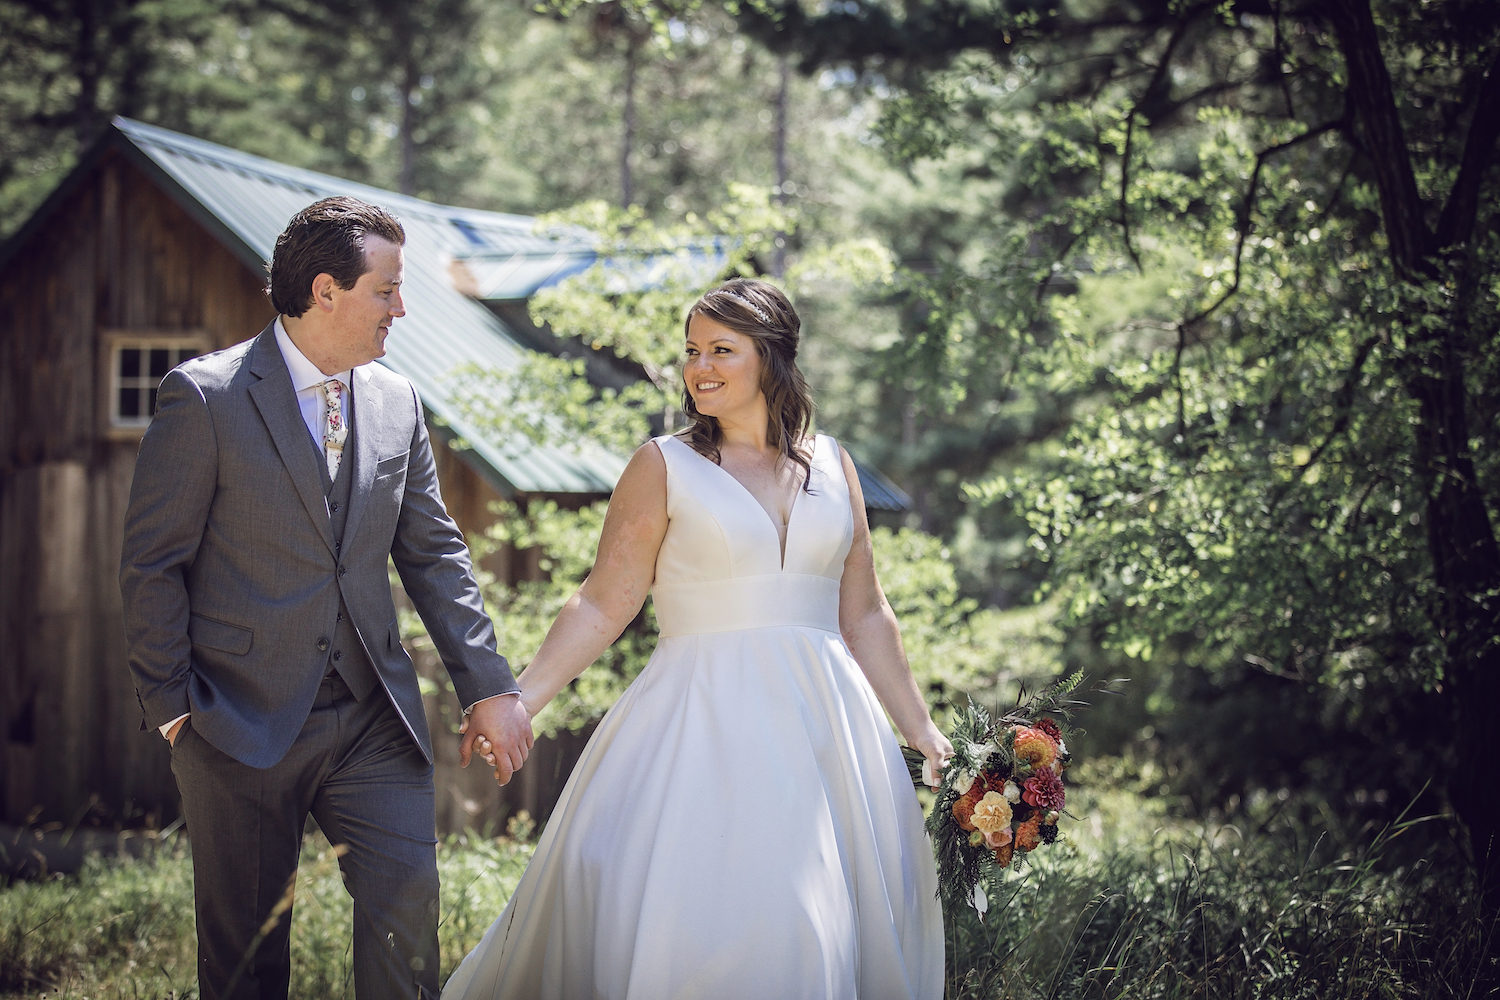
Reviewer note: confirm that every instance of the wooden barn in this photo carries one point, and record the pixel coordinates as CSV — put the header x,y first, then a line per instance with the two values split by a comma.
x,y
154,250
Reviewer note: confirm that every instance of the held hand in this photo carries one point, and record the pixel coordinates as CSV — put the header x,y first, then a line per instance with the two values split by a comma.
x,y
499,730
173,732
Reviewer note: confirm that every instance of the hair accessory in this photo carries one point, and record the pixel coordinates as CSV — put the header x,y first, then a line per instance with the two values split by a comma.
x,y
759,314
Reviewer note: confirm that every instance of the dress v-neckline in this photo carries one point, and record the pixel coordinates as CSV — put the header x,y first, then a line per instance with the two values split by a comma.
x,y
796,497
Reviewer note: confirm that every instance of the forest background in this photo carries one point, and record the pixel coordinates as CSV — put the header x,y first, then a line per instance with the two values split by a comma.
x,y
1176,320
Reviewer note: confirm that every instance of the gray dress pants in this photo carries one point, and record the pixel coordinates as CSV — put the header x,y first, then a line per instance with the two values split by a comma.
x,y
355,768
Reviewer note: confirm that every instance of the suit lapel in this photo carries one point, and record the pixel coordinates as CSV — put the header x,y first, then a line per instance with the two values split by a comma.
x,y
368,420
277,401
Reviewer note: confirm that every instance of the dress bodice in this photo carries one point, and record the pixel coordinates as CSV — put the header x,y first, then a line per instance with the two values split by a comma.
x,y
720,566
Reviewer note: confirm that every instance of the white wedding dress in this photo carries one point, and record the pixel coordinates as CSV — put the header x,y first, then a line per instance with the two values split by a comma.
x,y
742,824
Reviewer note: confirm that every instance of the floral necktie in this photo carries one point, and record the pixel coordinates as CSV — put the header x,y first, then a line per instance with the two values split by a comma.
x,y
335,430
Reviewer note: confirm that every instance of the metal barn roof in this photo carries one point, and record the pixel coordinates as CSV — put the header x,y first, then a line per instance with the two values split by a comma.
x,y
246,200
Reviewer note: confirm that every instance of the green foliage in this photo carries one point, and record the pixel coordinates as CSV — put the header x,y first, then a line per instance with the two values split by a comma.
x,y
954,646
549,400
635,302
504,108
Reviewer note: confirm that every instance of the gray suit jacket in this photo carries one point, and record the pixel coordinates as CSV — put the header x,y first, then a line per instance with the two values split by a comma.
x,y
230,574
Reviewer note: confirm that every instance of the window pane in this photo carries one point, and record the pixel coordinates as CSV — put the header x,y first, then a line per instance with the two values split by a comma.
x,y
152,410
130,362
161,362
130,400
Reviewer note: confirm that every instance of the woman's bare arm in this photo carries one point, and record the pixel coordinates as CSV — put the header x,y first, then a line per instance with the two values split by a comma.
x,y
872,635
615,589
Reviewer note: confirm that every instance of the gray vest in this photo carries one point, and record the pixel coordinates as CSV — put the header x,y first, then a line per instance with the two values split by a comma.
x,y
346,653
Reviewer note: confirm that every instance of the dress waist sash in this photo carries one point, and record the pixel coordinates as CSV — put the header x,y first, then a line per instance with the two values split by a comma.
x,y
777,599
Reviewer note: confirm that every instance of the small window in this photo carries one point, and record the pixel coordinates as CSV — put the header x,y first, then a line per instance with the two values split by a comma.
x,y
136,366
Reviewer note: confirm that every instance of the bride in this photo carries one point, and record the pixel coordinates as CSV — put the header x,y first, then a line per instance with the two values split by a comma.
x,y
741,824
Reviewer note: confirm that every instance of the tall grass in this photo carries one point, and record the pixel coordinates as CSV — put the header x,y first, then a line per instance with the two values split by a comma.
x,y
1132,905
124,929
1212,913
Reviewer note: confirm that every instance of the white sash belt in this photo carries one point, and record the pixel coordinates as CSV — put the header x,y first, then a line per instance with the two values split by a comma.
x,y
748,602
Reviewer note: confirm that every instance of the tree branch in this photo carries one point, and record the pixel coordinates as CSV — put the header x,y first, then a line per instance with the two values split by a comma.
x,y
1247,206
1370,94
1343,402
1462,209
1041,286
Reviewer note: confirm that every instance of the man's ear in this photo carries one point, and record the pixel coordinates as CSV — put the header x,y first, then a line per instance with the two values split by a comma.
x,y
323,289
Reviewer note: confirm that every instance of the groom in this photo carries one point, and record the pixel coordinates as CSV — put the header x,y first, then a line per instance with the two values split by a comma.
x,y
274,482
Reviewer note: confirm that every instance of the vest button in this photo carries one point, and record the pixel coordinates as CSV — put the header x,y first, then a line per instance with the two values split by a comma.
x,y
343,570
334,506
338,654
323,644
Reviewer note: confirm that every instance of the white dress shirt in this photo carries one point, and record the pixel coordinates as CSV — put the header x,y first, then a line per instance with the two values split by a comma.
x,y
306,379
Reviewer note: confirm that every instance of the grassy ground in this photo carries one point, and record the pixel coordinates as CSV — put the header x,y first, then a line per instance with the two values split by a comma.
x,y
124,929
1130,905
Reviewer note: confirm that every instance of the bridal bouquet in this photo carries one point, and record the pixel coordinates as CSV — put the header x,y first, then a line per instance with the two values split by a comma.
x,y
1002,793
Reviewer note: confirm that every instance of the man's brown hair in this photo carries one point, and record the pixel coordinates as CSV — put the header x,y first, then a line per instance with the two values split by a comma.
x,y
327,236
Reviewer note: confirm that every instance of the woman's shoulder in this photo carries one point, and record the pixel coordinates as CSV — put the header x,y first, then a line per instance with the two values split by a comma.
x,y
644,478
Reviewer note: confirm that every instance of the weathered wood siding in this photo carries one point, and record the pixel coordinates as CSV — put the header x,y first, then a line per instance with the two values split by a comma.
x,y
121,255
117,254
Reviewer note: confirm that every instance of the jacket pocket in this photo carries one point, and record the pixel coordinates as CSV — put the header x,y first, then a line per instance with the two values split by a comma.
x,y
391,466
219,635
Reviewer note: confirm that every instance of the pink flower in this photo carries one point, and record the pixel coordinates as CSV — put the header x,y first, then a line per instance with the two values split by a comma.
x,y
1044,790
998,839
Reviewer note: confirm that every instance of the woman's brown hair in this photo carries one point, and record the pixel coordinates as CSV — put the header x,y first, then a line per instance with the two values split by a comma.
x,y
760,311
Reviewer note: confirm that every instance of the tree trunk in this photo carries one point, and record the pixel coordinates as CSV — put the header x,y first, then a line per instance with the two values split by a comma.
x,y
778,256
408,123
87,64
627,194
1461,537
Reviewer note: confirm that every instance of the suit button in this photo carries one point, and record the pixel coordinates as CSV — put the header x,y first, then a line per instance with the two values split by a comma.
x,y
338,654
343,570
334,506
341,616
322,643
